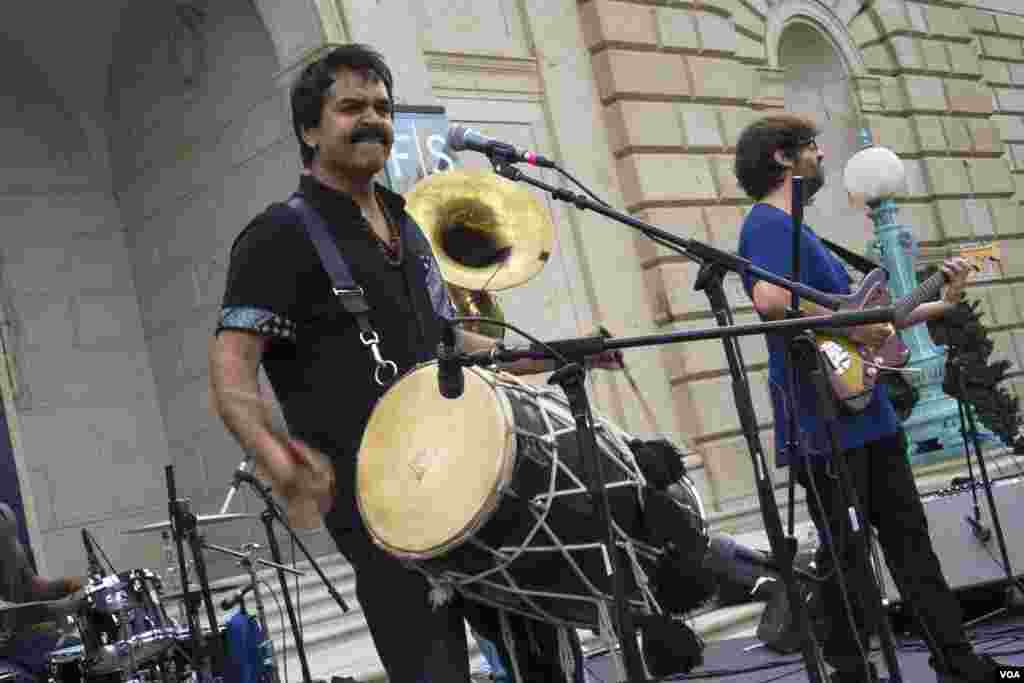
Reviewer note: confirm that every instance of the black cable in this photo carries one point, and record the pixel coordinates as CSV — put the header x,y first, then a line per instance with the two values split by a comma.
x,y
655,238
284,629
501,323
298,588
100,548
581,186
833,550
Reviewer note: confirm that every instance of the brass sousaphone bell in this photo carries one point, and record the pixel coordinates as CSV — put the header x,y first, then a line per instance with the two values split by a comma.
x,y
488,234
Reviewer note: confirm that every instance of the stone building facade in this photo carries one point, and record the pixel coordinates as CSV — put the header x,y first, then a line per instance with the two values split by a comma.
x,y
140,137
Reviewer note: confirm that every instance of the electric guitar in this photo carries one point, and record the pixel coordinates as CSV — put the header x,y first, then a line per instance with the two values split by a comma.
x,y
853,367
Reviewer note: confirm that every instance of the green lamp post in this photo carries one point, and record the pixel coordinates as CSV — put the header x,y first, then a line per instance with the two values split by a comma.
x,y
933,428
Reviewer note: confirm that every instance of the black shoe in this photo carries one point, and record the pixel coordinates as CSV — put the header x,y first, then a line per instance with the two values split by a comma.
x,y
858,676
966,667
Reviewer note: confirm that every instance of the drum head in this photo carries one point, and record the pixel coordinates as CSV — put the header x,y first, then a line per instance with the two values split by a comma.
x,y
430,469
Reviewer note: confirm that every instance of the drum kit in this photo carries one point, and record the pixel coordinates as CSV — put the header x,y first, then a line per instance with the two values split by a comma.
x,y
122,626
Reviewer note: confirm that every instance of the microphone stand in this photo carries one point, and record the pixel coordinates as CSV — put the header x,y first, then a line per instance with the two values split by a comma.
x,y
249,564
184,528
800,348
709,280
968,427
271,513
703,253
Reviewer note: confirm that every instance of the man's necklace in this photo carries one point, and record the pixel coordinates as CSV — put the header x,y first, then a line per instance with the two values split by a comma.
x,y
392,247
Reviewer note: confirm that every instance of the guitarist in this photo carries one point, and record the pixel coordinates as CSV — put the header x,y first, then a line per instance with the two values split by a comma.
x,y
768,154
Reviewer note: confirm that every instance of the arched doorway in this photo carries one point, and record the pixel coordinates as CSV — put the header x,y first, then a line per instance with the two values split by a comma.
x,y
818,84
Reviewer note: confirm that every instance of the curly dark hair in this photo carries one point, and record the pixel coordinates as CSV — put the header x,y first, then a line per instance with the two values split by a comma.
x,y
310,89
756,169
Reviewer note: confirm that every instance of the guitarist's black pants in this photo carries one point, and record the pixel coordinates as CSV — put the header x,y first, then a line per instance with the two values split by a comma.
x,y
889,499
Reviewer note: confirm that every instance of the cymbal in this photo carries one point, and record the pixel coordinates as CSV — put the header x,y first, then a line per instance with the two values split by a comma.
x,y
201,520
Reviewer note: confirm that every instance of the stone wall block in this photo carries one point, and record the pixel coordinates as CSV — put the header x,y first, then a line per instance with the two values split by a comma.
x,y
720,79
946,176
717,34
930,136
618,23
957,134
925,93
643,124
964,58
1010,25
979,21
991,176
946,22
677,29
622,73
968,97
1001,47
666,177
880,57
701,126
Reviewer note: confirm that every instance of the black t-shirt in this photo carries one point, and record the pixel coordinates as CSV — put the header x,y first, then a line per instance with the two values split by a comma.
x,y
321,373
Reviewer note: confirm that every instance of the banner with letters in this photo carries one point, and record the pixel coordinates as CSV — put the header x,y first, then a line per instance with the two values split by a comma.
x,y
420,148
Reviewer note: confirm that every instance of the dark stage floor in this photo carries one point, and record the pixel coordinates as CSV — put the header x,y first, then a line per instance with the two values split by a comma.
x,y
735,661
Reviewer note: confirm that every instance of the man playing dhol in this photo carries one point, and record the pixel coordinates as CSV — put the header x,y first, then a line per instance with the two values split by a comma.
x,y
279,311
768,154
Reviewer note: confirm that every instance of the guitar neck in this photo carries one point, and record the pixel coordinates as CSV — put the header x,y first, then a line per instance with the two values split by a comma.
x,y
925,291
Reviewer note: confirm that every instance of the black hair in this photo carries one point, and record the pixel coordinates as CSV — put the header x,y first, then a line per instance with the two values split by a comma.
x,y
756,169
310,89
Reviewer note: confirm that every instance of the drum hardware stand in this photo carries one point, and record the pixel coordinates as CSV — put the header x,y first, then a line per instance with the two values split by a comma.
x,y
969,431
504,166
271,513
248,562
571,378
183,527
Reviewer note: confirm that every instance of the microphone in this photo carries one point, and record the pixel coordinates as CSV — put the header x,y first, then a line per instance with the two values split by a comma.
x,y
242,467
241,475
95,570
450,380
461,138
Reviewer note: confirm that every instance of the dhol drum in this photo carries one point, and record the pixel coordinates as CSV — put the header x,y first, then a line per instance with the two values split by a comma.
x,y
486,494
123,623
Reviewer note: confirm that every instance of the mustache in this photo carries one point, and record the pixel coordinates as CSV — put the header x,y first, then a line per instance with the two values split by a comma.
x,y
371,134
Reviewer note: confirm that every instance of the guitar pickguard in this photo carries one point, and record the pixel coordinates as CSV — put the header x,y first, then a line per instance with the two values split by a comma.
x,y
838,357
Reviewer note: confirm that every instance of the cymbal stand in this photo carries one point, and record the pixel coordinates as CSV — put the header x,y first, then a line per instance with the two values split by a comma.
x,y
184,528
271,513
248,562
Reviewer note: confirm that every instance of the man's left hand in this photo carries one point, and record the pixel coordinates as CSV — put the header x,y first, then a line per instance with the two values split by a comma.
x,y
607,360
72,584
957,270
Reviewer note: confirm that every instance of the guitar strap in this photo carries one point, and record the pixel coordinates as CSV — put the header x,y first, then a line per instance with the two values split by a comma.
x,y
858,262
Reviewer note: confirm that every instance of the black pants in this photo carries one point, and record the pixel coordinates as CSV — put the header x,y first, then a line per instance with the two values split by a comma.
x,y
889,500
418,643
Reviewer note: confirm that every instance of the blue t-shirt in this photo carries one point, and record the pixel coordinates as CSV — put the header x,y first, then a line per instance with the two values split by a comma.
x,y
766,240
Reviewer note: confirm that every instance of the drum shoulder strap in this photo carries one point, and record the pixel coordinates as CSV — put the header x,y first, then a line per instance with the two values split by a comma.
x,y
349,293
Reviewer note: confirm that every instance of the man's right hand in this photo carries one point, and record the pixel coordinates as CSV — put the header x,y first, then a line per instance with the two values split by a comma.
x,y
309,491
